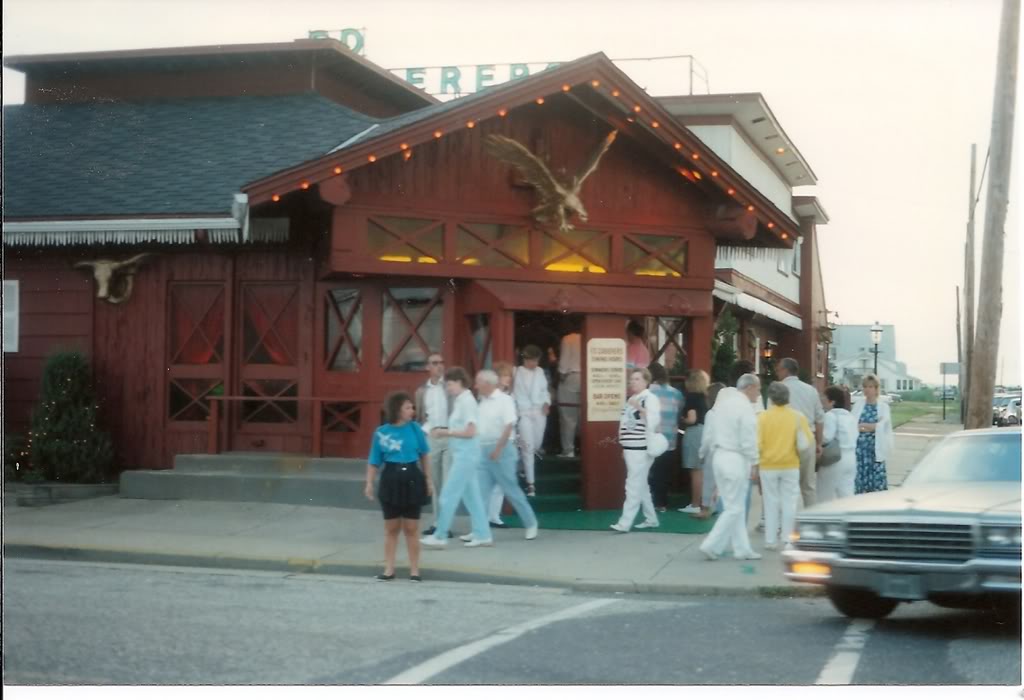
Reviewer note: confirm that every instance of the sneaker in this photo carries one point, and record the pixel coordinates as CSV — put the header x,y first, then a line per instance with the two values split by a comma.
x,y
431,541
430,530
618,528
748,555
708,554
661,509
531,533
416,578
647,525
689,509
499,524
466,538
773,546
568,455
479,543
531,490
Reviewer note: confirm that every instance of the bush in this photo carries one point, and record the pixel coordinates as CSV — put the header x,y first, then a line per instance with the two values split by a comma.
x,y
65,442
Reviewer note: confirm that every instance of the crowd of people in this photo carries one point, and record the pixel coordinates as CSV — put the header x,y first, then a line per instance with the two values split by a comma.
x,y
444,446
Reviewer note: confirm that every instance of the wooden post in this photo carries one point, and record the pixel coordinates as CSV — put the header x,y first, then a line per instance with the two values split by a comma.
x,y
959,357
212,427
968,339
318,431
990,290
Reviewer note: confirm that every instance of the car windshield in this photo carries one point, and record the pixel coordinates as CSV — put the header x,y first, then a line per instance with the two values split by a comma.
x,y
978,457
1000,401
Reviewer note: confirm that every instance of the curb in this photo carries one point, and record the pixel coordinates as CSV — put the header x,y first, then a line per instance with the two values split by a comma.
x,y
368,569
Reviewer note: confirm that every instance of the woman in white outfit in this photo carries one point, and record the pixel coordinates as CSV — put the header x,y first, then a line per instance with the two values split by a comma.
x,y
533,401
496,500
729,441
640,418
836,480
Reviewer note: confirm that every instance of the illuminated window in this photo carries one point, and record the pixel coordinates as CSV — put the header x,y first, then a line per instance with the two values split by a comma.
x,y
654,255
492,245
394,239
576,251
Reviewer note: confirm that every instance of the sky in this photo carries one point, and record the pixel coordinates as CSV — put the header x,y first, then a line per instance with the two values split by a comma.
x,y
882,98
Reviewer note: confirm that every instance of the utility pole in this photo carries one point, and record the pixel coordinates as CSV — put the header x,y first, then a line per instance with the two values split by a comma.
x,y
960,361
968,343
990,290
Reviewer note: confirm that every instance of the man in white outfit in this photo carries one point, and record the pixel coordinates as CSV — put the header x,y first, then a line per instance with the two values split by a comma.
x,y
569,391
433,406
530,390
730,441
805,399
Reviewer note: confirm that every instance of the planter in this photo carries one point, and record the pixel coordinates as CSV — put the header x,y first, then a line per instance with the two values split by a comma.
x,y
46,494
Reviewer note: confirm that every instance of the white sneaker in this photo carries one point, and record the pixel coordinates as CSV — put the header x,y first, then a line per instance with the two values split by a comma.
x,y
748,555
647,525
618,528
773,546
466,538
531,533
432,541
708,554
479,543
689,509
568,455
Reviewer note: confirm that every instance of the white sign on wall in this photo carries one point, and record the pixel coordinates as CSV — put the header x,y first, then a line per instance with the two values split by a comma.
x,y
10,304
606,379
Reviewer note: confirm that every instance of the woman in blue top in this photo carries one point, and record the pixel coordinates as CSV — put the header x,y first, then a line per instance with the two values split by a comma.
x,y
399,448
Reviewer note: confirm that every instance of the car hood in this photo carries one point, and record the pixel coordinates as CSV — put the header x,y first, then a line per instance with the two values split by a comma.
x,y
998,498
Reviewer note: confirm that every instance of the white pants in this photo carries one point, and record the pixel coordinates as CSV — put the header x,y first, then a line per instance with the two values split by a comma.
x,y
836,480
781,491
569,416
808,477
531,435
732,477
638,492
440,466
494,504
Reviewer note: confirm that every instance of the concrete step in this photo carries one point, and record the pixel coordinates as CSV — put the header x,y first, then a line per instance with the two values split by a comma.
x,y
309,489
559,483
549,503
257,463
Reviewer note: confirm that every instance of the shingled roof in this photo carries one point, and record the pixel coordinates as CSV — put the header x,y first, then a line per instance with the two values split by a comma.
x,y
160,158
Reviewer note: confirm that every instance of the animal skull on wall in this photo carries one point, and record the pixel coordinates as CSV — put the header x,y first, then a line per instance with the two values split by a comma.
x,y
114,279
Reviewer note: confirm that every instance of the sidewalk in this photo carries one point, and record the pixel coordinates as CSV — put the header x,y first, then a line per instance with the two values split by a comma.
x,y
350,542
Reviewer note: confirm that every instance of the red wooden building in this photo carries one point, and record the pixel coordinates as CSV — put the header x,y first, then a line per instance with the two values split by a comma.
x,y
316,227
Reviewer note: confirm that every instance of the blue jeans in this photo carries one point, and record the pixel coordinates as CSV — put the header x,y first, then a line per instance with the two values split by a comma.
x,y
462,484
503,472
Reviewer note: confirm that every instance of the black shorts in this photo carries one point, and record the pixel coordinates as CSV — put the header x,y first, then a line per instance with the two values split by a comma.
x,y
408,512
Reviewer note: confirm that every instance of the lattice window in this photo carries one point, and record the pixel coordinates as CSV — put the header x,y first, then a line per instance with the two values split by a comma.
x,y
195,352
412,324
343,309
397,239
342,417
479,338
668,336
492,245
263,408
270,327
576,251
654,256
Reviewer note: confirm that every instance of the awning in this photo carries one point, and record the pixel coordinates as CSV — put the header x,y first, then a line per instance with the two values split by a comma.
x,y
732,295
227,230
593,298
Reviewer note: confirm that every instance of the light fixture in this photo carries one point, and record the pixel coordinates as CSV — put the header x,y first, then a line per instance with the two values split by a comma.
x,y
655,125
696,174
372,158
470,124
437,134
407,154
695,156
595,83
404,146
502,112
714,173
780,150
337,170
630,120
771,224
730,191
876,334
636,108
785,235
540,100
566,88
615,93
304,185
678,146
750,207
275,198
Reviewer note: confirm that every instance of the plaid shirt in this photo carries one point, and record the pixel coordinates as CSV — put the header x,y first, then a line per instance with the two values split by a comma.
x,y
671,402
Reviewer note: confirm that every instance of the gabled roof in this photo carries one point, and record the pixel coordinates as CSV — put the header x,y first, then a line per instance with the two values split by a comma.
x,y
159,158
594,82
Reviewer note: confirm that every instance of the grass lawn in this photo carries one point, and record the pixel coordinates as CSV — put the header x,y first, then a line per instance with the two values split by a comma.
x,y
908,410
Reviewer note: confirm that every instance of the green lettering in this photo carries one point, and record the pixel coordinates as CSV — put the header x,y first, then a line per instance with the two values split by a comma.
x,y
416,76
484,73
353,39
450,76
519,71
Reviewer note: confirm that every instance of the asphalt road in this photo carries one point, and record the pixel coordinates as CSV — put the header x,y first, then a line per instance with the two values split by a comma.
x,y
75,623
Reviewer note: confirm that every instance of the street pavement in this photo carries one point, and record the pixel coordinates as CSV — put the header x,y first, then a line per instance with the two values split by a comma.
x,y
98,623
290,538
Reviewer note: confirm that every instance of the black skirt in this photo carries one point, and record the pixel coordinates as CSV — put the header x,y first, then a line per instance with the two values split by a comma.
x,y
403,485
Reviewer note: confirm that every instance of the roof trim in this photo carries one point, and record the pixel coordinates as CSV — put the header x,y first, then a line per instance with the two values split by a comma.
x,y
732,295
578,75
810,207
138,231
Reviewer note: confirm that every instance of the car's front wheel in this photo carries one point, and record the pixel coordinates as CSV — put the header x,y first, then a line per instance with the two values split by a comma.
x,y
856,602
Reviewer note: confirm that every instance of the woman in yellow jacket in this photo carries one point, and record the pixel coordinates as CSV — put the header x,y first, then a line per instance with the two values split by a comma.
x,y
781,434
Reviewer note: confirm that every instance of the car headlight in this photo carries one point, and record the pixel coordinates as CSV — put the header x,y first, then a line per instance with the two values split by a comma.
x,y
820,532
1000,536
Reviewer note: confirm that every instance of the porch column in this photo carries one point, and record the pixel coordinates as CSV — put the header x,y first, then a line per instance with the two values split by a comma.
x,y
702,329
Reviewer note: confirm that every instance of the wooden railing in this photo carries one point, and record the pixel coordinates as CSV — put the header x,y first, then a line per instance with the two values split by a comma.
x,y
214,428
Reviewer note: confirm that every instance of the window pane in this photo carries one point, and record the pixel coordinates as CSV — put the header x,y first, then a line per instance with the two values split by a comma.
x,y
267,410
383,237
270,329
195,340
402,312
668,259
342,417
183,394
479,244
591,257
347,341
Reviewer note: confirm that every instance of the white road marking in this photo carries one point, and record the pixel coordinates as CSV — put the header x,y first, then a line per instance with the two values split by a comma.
x,y
431,667
840,668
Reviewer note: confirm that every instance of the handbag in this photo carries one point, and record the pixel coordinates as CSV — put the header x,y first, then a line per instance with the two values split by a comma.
x,y
657,444
830,453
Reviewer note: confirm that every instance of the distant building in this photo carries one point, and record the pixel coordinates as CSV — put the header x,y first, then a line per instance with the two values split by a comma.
x,y
852,357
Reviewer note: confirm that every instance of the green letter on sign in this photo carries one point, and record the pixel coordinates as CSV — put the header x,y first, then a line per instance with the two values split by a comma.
x,y
484,73
415,76
450,75
353,39
519,70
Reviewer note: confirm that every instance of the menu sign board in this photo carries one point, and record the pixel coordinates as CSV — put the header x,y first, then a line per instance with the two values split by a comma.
x,y
606,379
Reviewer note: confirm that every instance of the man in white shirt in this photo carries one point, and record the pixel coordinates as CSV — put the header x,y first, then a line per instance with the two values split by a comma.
x,y
569,391
433,406
533,401
805,399
498,459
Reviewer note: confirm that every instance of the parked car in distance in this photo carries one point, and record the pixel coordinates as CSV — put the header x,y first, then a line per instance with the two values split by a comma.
x,y
1010,413
999,403
950,534
894,398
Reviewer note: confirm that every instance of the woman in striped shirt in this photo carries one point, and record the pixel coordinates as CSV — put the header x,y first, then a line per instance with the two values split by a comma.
x,y
640,419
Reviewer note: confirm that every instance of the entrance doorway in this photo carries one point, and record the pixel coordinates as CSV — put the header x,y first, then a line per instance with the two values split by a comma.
x,y
546,330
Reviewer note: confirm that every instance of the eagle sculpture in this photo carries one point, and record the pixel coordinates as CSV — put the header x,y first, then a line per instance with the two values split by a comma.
x,y
114,279
558,202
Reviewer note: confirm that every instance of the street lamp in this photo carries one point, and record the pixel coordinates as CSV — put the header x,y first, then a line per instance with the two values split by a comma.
x,y
876,338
